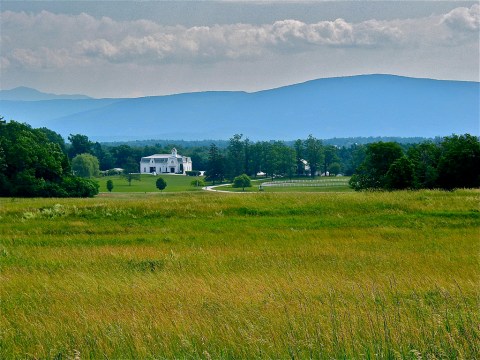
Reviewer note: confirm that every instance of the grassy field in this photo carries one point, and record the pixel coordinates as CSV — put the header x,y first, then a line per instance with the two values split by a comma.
x,y
178,183
175,183
211,275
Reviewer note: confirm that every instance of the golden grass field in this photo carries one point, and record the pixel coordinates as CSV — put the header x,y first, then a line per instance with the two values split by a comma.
x,y
390,275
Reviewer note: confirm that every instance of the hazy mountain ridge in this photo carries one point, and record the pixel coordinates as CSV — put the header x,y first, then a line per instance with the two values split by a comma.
x,y
23,93
368,105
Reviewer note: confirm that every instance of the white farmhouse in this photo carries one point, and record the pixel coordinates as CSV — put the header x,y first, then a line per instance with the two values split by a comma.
x,y
165,163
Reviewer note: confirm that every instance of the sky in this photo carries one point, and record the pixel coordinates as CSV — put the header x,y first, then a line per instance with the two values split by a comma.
x,y
141,48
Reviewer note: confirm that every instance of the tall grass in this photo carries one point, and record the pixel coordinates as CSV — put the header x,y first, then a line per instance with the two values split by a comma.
x,y
205,275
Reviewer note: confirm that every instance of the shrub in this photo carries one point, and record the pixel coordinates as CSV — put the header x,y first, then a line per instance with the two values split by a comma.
x,y
198,183
79,187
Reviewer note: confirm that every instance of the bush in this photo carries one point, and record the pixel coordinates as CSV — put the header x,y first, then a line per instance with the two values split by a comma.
x,y
79,187
192,173
198,182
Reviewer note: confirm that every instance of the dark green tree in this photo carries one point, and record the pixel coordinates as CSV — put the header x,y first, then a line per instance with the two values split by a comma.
x,y
400,175
122,153
161,184
242,181
79,144
335,168
235,156
256,158
109,185
286,164
299,157
54,137
130,171
36,166
330,156
351,158
459,162
371,174
314,154
215,165
270,158
425,158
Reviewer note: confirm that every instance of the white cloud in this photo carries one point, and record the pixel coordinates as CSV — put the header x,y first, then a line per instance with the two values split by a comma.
x,y
48,40
463,19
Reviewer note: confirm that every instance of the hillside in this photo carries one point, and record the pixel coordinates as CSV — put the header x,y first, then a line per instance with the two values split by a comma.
x,y
368,105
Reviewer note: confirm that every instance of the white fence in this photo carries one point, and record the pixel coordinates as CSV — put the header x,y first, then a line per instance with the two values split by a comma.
x,y
304,183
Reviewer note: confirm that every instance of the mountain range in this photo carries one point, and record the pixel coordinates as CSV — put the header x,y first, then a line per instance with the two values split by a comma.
x,y
364,105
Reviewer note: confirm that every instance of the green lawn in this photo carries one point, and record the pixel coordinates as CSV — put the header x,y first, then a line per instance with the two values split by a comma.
x,y
175,183
370,275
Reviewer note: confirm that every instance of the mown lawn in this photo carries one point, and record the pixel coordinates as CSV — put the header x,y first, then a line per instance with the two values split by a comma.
x,y
175,183
211,275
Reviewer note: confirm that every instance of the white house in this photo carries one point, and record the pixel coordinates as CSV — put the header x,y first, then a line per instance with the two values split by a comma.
x,y
165,163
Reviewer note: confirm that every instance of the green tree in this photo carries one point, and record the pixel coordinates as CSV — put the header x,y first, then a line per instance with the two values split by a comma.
x,y
425,158
36,166
130,171
236,156
299,156
242,181
54,137
371,174
256,158
122,155
335,168
270,158
351,158
85,165
79,144
109,185
215,165
161,184
314,154
459,163
330,157
286,165
400,175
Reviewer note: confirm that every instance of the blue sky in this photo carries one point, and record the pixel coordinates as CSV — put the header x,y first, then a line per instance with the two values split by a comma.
x,y
119,49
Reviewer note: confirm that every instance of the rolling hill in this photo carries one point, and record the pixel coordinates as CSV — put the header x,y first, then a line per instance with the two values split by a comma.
x,y
366,105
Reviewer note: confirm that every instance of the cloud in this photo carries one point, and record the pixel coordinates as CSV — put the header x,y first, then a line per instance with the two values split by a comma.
x,y
463,19
47,40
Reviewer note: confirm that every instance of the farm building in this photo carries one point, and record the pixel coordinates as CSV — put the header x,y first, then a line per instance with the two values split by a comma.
x,y
165,163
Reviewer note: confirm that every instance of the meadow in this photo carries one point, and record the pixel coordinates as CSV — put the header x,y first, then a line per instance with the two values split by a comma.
x,y
390,275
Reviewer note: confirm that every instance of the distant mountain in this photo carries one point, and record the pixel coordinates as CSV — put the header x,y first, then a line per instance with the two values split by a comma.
x,y
23,93
367,105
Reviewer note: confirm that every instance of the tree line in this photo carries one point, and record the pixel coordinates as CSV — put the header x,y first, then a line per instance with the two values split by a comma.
x,y
38,162
31,165
452,163
446,163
